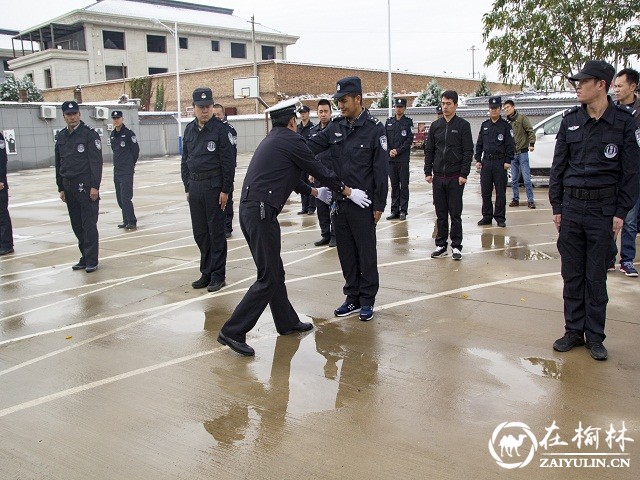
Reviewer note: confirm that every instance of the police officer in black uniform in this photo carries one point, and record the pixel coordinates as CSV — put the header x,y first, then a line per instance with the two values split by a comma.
x,y
358,145
274,172
592,186
126,150
6,232
218,111
207,173
494,152
78,154
399,140
304,129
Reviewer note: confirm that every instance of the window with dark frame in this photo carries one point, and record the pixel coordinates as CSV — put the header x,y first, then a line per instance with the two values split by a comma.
x,y
115,72
154,70
113,40
48,83
156,43
215,46
184,42
268,53
238,50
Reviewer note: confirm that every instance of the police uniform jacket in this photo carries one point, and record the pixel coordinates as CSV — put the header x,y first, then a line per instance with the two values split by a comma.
x,y
305,130
634,109
324,157
400,137
449,148
358,154
495,141
208,153
125,151
79,157
276,166
595,155
3,161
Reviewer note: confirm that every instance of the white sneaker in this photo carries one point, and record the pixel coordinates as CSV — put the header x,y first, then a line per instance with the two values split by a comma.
x,y
439,252
457,255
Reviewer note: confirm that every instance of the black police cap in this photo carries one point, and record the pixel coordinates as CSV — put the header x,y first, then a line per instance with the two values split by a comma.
x,y
70,107
598,69
304,109
202,97
116,114
347,85
495,102
400,102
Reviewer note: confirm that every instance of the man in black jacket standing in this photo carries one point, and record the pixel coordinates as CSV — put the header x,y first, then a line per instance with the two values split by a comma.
x,y
6,232
399,139
126,150
447,163
304,129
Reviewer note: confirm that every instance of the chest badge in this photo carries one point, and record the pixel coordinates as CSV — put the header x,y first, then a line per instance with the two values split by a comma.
x,y
211,146
611,150
123,143
338,134
403,133
80,148
573,127
500,137
638,136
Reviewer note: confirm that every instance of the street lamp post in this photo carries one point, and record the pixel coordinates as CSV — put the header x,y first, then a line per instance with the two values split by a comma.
x,y
174,33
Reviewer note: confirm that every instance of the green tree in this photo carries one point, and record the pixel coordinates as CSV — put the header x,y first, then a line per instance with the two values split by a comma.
x,y
9,90
483,89
542,42
430,96
141,88
384,100
158,105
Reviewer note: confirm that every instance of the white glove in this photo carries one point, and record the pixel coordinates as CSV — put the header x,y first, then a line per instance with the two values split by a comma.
x,y
359,197
324,195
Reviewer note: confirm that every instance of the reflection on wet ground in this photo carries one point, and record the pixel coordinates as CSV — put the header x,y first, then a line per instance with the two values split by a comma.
x,y
542,366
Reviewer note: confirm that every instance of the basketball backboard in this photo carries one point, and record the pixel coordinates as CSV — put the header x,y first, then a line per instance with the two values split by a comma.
x,y
246,87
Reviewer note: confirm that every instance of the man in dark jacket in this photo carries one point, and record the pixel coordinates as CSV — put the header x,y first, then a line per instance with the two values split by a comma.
x,y
304,129
447,163
399,139
126,150
6,232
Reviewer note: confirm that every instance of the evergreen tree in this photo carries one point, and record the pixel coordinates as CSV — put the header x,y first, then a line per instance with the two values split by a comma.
x,y
430,96
483,89
9,90
384,100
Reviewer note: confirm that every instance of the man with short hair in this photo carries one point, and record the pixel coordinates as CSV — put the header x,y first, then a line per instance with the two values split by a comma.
x,y
494,152
525,139
358,147
207,170
593,185
304,128
447,163
325,219
6,231
126,150
78,154
399,138
624,86
218,111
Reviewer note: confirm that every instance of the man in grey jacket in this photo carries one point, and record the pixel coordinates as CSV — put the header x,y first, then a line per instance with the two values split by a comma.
x,y
525,139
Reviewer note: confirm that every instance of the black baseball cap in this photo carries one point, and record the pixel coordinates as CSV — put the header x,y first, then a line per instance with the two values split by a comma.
x,y
400,102
598,69
347,85
116,114
202,97
495,102
304,109
70,107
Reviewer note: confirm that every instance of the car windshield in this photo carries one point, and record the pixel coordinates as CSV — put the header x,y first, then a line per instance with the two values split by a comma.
x,y
552,126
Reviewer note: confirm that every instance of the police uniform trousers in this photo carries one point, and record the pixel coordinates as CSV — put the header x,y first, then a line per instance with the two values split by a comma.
x,y
493,174
207,221
6,231
228,212
447,198
399,177
124,194
264,240
308,201
356,242
83,213
584,244
325,219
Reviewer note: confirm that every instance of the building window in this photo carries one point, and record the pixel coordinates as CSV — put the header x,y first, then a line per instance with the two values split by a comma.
x,y
238,50
268,53
153,70
156,43
47,78
30,76
184,42
114,72
215,46
113,40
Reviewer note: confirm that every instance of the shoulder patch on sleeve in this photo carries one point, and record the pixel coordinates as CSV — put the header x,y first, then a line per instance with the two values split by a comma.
x,y
374,119
98,144
571,110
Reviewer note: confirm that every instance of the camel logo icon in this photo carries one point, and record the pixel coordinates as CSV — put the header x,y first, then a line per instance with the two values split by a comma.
x,y
511,439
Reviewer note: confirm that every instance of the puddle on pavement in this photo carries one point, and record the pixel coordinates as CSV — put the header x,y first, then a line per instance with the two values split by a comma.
x,y
511,247
542,367
182,322
286,223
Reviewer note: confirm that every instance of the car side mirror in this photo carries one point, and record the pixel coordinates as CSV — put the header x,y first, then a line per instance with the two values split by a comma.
x,y
540,132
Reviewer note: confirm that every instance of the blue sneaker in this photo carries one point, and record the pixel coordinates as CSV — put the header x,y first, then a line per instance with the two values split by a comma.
x,y
347,308
366,313
628,269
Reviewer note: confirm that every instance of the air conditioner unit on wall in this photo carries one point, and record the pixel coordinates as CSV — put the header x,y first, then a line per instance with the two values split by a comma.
x,y
47,112
101,113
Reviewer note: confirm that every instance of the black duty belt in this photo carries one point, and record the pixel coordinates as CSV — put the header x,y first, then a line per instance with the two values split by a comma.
x,y
494,156
203,175
590,193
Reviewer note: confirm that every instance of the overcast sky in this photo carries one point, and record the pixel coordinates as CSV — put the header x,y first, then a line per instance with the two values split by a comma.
x,y
427,36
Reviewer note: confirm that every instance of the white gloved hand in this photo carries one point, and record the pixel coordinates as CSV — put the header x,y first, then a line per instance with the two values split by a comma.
x,y
359,197
324,195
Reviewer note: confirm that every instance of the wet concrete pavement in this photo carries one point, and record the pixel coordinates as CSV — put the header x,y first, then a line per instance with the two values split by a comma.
x,y
117,374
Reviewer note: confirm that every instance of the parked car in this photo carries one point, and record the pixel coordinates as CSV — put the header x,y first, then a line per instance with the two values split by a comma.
x,y
420,132
542,156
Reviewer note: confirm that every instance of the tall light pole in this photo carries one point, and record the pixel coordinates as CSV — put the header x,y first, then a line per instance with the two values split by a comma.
x,y
174,33
473,61
389,89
